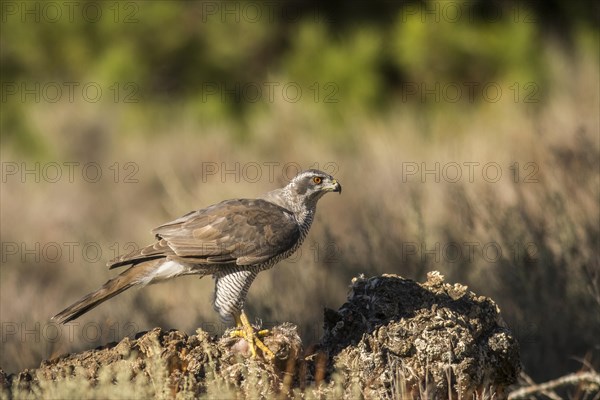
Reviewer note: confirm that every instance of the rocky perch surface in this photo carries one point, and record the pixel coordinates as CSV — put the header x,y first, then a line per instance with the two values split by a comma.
x,y
393,338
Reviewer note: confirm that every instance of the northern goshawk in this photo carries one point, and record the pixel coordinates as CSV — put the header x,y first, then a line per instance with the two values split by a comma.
x,y
232,241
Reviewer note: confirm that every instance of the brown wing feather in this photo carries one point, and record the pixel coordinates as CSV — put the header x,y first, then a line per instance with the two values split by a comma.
x,y
243,231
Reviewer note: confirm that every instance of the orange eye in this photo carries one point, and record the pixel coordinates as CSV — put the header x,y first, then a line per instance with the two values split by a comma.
x,y
317,180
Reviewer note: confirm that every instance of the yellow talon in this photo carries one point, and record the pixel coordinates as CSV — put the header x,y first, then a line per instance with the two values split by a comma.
x,y
246,331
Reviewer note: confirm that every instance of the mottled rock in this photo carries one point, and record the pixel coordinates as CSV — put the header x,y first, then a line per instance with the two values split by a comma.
x,y
397,336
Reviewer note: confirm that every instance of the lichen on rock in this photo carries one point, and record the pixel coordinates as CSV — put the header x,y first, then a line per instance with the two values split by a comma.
x,y
394,334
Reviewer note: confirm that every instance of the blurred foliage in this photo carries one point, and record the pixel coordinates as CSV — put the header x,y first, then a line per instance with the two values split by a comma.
x,y
350,63
179,53
466,52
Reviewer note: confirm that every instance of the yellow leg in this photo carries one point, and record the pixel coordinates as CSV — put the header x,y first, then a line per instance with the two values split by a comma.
x,y
246,331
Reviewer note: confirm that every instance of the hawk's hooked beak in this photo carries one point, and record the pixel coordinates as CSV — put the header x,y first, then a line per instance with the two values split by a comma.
x,y
335,186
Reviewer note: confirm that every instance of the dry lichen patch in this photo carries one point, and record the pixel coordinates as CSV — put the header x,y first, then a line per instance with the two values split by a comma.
x,y
394,334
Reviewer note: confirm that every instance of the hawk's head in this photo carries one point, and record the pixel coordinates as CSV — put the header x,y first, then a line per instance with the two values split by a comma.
x,y
312,184
303,192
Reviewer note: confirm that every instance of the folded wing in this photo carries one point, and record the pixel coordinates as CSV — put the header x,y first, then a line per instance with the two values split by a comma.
x,y
244,232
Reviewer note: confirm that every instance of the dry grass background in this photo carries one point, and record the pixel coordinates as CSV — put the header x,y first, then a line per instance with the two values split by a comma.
x,y
550,297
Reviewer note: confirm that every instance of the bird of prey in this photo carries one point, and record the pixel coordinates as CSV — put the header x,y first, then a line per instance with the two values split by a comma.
x,y
233,241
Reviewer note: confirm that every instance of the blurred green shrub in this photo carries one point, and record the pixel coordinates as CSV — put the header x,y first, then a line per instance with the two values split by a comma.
x,y
346,58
